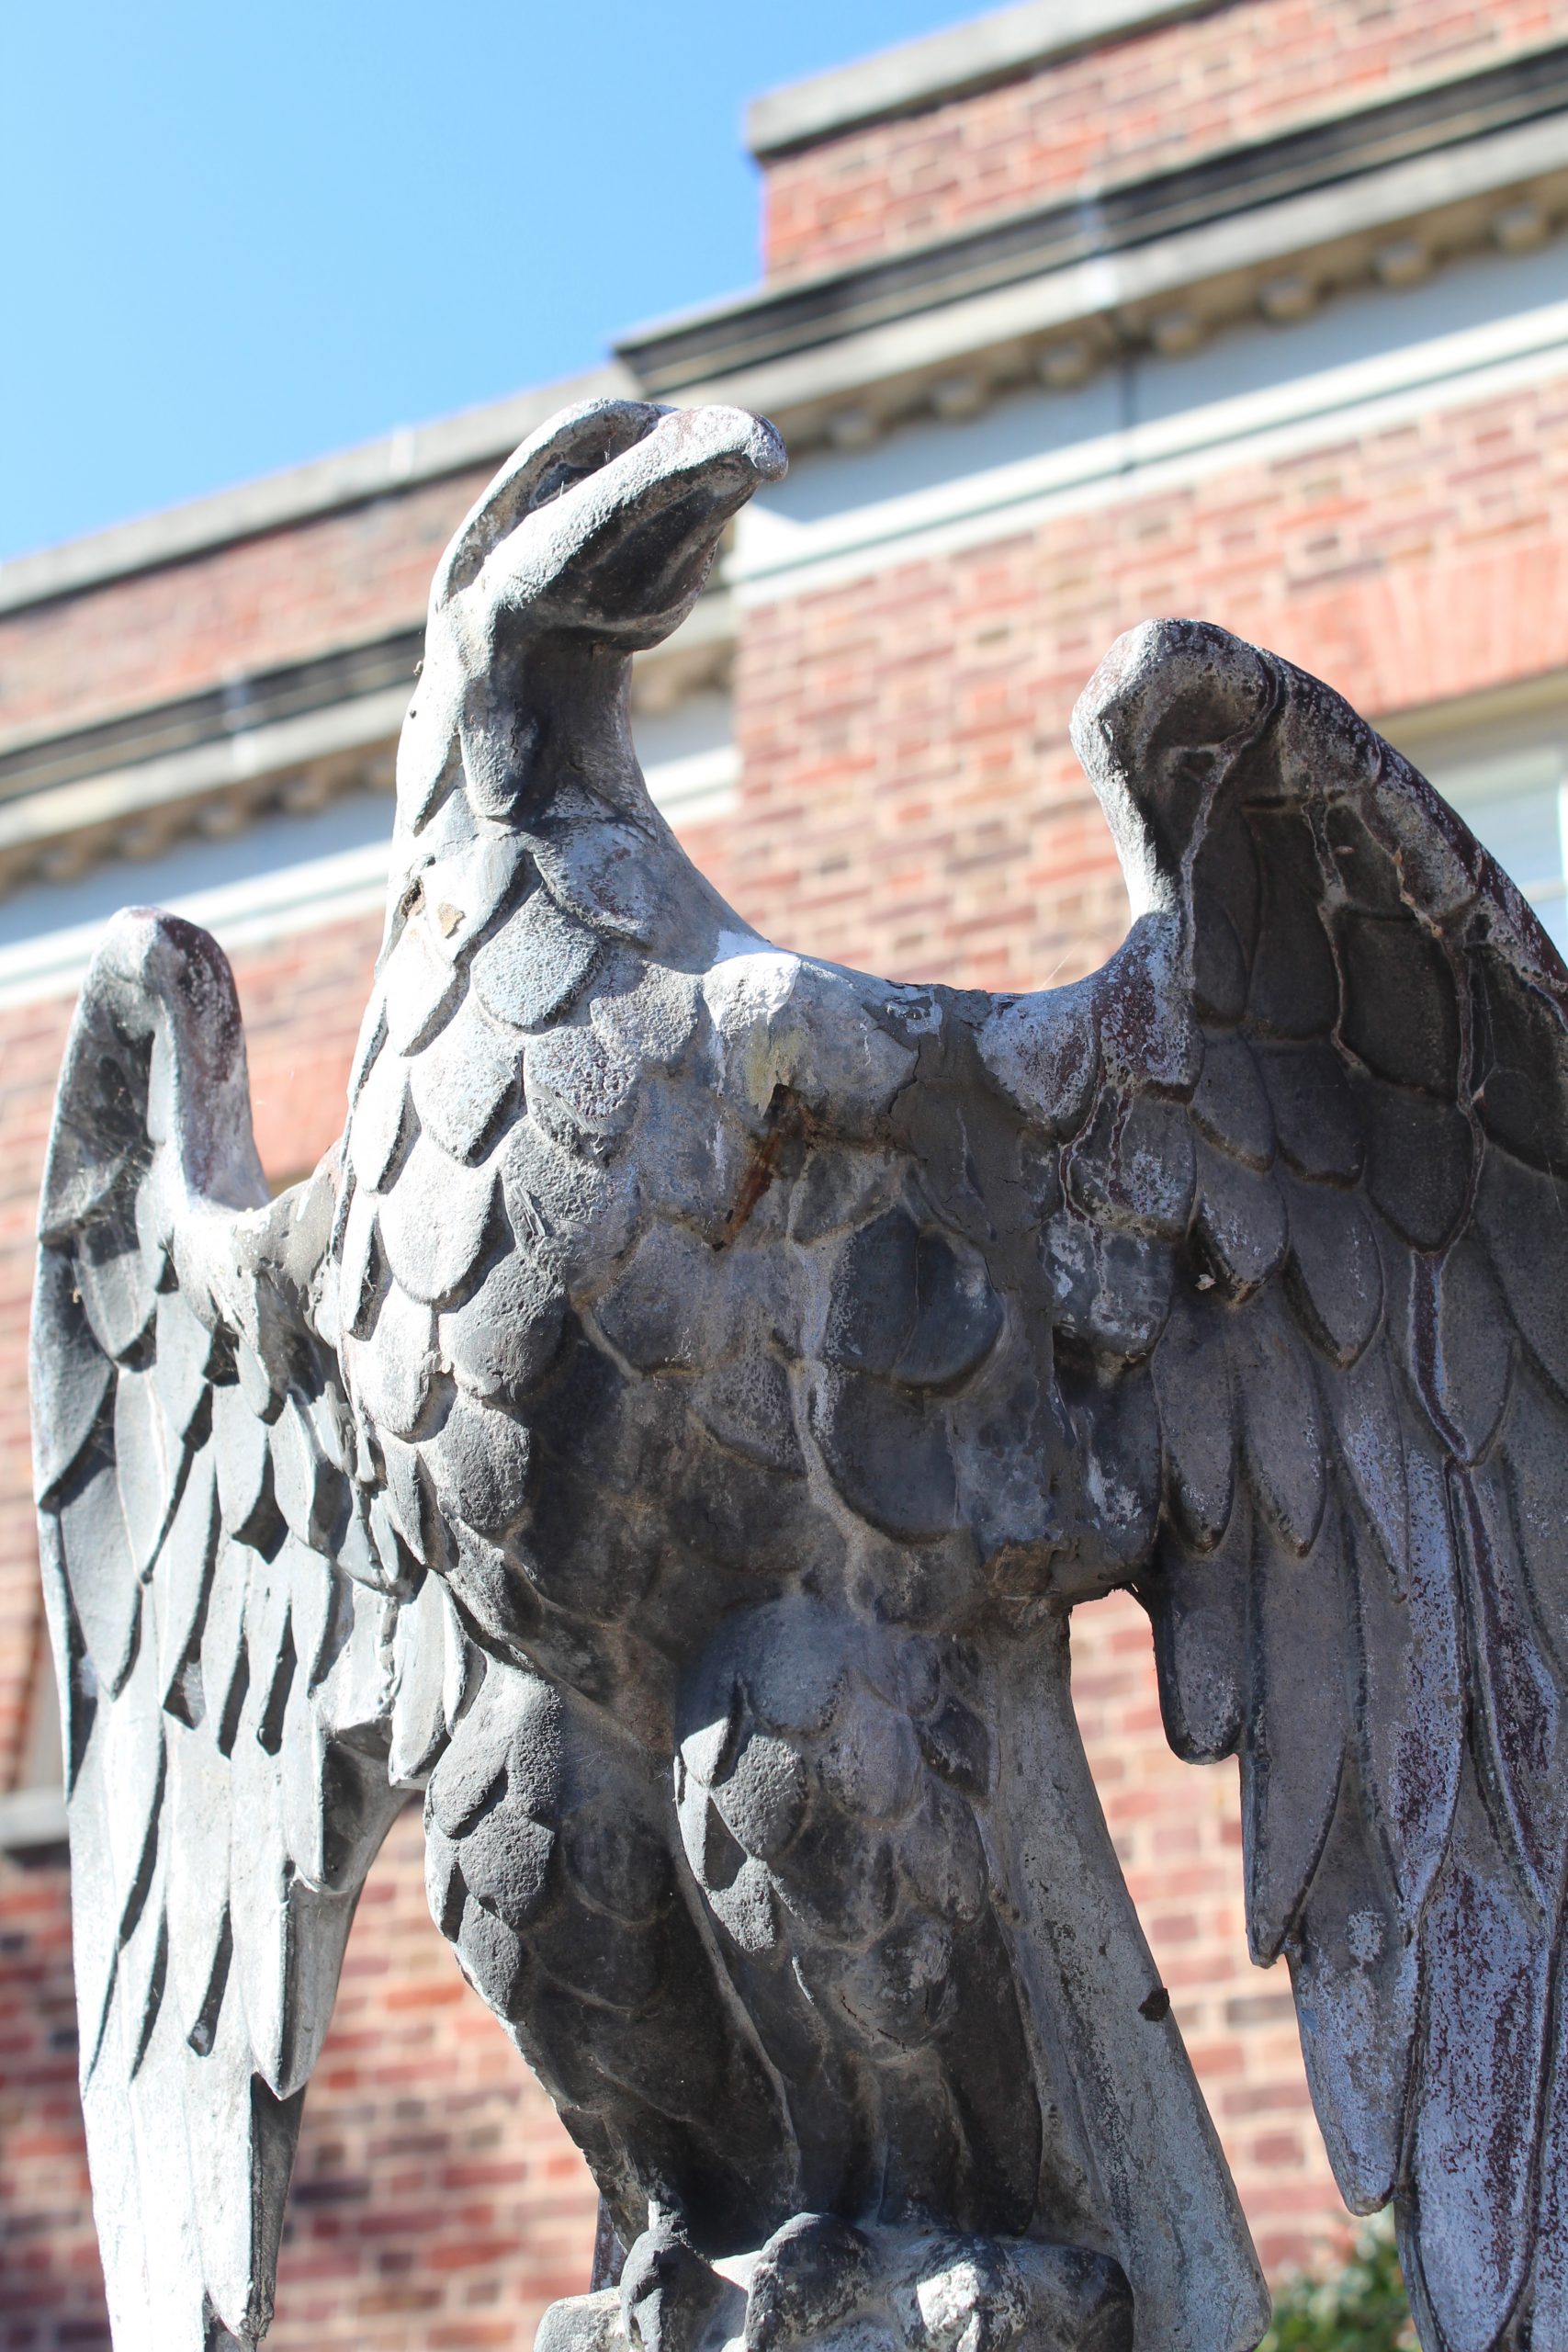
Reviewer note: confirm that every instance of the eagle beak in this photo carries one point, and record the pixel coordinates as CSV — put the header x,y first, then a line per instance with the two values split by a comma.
x,y
604,525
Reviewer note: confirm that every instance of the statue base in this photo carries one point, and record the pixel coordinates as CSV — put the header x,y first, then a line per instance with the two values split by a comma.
x,y
820,2286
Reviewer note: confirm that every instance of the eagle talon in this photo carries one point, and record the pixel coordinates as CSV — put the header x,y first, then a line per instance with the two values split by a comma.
x,y
669,2293
972,2295
812,2273
819,2282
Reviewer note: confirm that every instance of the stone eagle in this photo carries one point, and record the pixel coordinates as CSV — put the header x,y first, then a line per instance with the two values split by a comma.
x,y
671,1429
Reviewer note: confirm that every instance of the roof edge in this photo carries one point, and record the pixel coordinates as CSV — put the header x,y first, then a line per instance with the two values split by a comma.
x,y
920,73
398,460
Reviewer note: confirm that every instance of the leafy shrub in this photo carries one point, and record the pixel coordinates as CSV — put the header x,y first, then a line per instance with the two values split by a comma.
x,y
1359,2307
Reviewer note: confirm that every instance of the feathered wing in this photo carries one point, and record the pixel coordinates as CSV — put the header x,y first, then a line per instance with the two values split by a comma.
x,y
245,1682
1311,1254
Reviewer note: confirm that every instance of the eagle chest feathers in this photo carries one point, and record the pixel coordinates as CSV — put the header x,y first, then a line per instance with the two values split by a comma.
x,y
575,1250
671,1431
695,1398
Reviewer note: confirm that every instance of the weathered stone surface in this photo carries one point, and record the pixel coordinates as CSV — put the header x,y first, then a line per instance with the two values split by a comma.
x,y
673,1430
535,965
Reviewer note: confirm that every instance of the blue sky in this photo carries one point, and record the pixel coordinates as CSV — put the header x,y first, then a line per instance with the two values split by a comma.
x,y
239,235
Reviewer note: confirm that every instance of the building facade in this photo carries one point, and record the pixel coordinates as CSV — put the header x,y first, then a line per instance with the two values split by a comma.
x,y
1089,311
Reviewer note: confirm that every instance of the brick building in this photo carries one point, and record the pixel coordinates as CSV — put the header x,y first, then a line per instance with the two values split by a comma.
x,y
1087,311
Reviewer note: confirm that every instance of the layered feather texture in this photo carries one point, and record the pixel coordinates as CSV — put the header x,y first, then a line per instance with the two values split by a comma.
x,y
699,1379
1357,1067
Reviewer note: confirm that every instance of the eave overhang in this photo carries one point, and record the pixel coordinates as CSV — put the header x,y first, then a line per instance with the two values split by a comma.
x,y
282,741
1389,191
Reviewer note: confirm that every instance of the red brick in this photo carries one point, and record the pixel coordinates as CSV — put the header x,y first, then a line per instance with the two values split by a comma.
x,y
1161,98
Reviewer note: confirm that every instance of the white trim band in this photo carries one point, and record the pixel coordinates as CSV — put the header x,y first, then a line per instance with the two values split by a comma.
x,y
776,555
315,893
31,1817
254,756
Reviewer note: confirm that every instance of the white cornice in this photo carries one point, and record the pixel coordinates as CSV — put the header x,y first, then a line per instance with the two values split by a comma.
x,y
134,800
285,882
935,490
1525,705
414,454
31,1818
1220,269
212,772
920,73
348,887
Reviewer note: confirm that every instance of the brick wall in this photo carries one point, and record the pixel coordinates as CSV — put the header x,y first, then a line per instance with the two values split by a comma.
x,y
338,579
1177,1829
1160,97
910,797
908,803
436,2203
30,1043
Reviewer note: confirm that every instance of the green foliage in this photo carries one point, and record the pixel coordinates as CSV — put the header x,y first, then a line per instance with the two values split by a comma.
x,y
1361,2307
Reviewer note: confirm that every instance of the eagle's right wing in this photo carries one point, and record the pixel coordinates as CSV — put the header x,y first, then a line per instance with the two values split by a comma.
x,y
250,1680
1309,1256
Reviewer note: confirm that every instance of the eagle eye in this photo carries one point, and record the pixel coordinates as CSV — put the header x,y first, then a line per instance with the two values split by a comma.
x,y
561,476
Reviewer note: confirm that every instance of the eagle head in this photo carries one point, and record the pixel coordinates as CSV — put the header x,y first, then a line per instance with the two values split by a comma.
x,y
591,544
604,525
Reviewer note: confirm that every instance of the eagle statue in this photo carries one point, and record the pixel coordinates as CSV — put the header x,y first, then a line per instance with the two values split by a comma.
x,y
671,1429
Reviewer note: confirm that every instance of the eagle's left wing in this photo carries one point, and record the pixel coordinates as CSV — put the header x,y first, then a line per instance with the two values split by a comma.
x,y
1310,1264
249,1681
